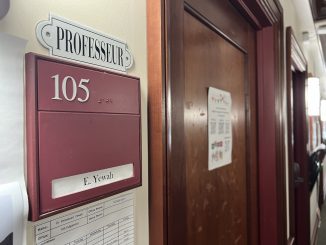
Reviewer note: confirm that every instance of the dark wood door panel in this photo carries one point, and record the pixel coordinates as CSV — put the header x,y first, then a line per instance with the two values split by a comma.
x,y
219,206
216,200
219,13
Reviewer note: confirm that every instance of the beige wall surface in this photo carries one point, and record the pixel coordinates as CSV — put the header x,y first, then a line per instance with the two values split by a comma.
x,y
125,20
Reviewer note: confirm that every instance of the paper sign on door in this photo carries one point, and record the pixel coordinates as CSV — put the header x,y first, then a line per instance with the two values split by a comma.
x,y
219,128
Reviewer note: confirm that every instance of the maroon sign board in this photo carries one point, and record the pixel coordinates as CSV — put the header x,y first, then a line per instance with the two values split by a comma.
x,y
83,131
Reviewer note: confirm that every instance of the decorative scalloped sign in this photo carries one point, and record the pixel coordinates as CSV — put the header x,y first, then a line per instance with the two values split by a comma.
x,y
70,40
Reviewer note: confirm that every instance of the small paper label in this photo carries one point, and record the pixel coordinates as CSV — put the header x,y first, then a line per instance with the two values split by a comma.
x,y
82,182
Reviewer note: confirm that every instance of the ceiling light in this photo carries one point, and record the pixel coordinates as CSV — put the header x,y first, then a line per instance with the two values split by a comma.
x,y
313,96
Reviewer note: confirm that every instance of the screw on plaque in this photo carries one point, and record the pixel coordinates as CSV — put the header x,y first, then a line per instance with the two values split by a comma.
x,y
48,34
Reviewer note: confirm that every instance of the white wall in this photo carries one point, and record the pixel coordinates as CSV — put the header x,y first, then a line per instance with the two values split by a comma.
x,y
314,210
124,19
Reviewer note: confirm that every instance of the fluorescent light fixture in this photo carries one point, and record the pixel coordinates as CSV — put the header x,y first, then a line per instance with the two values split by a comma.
x,y
313,96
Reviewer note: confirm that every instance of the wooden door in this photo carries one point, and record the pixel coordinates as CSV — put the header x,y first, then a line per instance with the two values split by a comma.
x,y
301,202
298,178
217,206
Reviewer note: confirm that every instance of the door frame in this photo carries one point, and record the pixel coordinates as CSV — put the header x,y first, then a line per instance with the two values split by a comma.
x,y
296,62
164,46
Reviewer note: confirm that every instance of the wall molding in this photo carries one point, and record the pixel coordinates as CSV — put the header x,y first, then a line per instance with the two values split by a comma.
x,y
261,13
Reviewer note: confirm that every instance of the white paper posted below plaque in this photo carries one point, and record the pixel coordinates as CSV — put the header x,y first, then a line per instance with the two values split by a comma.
x,y
82,182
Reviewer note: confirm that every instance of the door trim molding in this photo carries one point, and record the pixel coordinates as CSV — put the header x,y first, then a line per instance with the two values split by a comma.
x,y
267,17
272,197
261,13
156,122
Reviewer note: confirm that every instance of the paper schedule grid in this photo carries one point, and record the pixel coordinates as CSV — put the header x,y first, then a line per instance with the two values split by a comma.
x,y
108,223
219,128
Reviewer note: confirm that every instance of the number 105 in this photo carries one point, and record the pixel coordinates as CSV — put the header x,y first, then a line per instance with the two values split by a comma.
x,y
81,86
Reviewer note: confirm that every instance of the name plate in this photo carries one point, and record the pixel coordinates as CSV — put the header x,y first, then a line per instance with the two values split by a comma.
x,y
83,133
82,182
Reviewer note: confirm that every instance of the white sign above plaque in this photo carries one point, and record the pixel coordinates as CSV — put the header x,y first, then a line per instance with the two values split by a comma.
x,y
73,41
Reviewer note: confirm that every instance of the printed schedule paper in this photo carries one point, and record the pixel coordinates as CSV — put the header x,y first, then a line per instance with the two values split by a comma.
x,y
110,222
219,128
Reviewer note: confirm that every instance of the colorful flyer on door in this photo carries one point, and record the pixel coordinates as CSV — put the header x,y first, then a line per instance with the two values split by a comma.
x,y
219,128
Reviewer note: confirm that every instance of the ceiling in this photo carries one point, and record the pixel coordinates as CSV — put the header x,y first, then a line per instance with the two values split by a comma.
x,y
311,30
318,9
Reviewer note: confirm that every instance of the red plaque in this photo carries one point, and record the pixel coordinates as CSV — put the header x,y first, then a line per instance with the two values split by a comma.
x,y
83,134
